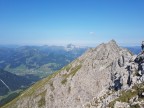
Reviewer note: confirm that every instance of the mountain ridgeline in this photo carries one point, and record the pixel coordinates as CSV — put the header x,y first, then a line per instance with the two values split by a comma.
x,y
100,78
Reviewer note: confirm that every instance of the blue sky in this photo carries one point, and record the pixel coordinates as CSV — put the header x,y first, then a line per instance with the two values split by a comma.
x,y
81,22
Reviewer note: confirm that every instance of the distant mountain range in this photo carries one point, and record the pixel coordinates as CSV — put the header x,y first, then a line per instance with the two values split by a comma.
x,y
134,49
41,60
37,60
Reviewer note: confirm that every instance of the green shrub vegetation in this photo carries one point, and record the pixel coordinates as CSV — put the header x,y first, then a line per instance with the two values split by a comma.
x,y
71,73
135,106
42,101
64,81
68,67
127,95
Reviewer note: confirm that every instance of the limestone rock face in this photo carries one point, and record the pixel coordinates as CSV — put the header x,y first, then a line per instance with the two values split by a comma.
x,y
121,105
94,80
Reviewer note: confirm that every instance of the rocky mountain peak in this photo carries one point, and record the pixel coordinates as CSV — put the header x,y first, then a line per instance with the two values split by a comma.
x,y
107,52
97,79
112,42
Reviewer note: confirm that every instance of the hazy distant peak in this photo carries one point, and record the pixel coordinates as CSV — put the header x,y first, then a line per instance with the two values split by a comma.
x,y
112,41
70,47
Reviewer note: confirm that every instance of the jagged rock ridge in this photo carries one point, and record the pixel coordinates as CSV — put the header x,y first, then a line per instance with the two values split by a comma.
x,y
94,80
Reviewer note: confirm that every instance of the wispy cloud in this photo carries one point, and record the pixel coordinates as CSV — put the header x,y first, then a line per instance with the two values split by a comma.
x,y
92,33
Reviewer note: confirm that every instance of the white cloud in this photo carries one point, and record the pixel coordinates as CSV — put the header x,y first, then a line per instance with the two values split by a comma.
x,y
92,33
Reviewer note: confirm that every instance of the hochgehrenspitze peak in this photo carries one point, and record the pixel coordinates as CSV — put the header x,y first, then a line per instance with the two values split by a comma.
x,y
107,50
111,45
112,42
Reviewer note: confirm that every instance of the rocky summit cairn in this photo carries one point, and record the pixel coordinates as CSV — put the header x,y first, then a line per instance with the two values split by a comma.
x,y
103,77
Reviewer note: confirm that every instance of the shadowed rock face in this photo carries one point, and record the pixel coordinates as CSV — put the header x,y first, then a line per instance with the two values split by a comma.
x,y
87,82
